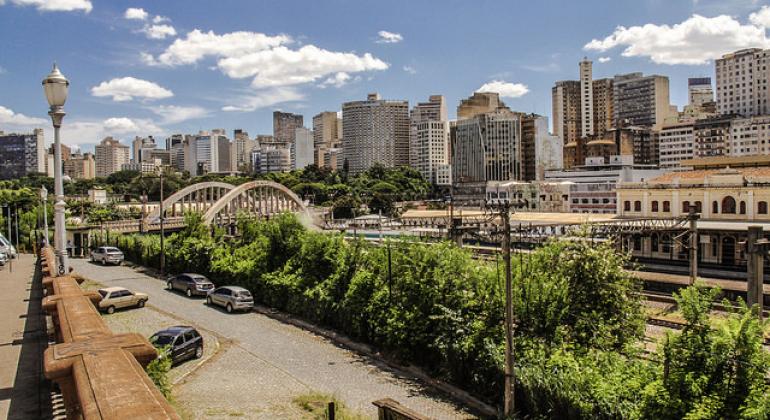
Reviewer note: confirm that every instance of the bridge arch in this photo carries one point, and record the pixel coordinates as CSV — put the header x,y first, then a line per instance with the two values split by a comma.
x,y
260,198
196,197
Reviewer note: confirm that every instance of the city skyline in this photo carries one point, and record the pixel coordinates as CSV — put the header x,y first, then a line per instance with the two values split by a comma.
x,y
156,69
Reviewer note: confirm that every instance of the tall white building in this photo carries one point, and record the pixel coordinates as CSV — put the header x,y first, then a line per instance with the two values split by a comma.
x,y
429,137
487,147
111,155
676,143
587,97
742,82
302,149
375,131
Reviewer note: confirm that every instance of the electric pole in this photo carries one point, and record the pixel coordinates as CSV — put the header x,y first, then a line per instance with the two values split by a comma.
x,y
162,233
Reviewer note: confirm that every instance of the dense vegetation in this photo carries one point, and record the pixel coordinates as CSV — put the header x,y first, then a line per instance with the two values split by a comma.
x,y
580,323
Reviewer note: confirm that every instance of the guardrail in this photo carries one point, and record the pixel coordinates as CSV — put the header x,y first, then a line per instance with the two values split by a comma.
x,y
101,374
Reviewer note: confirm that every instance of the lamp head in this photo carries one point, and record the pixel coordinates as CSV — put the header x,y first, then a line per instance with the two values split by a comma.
x,y
56,87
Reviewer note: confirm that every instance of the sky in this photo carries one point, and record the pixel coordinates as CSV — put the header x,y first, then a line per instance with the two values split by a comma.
x,y
180,66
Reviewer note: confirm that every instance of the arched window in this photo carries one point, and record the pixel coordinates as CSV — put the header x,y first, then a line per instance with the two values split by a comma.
x,y
666,206
655,206
762,207
654,239
715,207
626,205
637,205
685,206
728,205
743,207
698,207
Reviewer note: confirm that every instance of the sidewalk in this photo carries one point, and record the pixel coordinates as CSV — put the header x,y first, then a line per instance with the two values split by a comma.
x,y
24,394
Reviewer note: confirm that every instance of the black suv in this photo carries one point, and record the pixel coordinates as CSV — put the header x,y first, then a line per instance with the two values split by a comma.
x,y
191,284
184,342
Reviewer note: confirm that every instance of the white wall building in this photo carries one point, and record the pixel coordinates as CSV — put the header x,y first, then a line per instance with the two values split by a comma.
x,y
676,143
302,149
749,136
742,82
110,156
587,97
375,131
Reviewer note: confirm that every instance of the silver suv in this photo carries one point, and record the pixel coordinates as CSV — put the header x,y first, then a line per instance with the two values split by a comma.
x,y
232,298
107,255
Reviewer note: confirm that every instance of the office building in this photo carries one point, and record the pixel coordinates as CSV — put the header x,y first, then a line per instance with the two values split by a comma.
x,y
224,152
375,131
22,154
174,140
327,134
586,98
66,152
80,166
140,146
640,100
479,103
677,143
111,155
711,136
742,83
332,159
429,137
302,149
749,136
699,91
540,149
242,147
271,159
284,126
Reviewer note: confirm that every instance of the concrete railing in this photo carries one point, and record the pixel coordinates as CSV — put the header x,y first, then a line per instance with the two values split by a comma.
x,y
390,409
101,375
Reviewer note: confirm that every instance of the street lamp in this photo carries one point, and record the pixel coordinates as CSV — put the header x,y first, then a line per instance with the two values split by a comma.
x,y
55,86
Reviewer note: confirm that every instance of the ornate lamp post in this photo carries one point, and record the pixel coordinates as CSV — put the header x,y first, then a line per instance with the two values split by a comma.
x,y
56,86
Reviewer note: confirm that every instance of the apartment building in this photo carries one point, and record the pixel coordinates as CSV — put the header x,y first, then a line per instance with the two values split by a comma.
x,y
677,143
22,154
375,131
742,82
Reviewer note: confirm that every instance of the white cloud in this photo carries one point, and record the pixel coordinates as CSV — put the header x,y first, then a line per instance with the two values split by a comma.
x,y
56,5
386,37
173,114
761,17
338,80
284,67
694,41
160,19
159,31
135,13
505,89
410,70
197,45
10,118
126,88
123,125
605,59
263,99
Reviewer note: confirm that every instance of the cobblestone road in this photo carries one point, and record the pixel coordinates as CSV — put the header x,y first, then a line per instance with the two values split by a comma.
x,y
267,363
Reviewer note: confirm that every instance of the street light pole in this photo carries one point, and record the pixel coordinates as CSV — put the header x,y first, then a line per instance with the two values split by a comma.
x,y
56,86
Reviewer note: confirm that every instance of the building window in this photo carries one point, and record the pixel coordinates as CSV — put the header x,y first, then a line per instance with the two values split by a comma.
x,y
654,239
743,207
666,206
715,207
762,207
728,205
698,207
685,206
637,205
655,206
626,205
637,243
667,244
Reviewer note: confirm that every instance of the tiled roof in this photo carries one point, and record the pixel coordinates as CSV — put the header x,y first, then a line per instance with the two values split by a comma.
x,y
761,174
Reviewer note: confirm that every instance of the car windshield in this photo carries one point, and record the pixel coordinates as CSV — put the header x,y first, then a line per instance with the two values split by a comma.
x,y
112,250
162,339
243,293
103,293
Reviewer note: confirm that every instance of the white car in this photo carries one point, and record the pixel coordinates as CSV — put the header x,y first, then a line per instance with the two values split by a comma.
x,y
107,255
3,258
7,248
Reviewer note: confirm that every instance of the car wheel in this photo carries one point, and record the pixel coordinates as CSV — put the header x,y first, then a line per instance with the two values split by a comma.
x,y
110,309
199,352
209,301
189,293
140,304
229,308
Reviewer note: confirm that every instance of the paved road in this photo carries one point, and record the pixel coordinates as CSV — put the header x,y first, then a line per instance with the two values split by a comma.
x,y
289,360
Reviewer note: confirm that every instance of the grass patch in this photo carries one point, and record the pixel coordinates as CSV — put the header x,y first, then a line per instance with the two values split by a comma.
x,y
315,404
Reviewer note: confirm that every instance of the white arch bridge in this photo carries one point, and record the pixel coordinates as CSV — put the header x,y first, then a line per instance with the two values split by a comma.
x,y
219,202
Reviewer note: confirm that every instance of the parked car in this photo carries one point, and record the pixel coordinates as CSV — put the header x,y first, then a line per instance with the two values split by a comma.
x,y
7,248
191,284
107,255
184,343
232,298
120,297
3,258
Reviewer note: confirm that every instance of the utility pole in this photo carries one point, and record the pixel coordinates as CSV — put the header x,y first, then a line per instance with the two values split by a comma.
x,y
504,208
693,246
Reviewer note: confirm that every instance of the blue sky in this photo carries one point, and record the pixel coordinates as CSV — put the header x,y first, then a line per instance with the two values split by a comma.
x,y
172,66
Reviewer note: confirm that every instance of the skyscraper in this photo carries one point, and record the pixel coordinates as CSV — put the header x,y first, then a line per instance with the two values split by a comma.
x,y
302,150
111,155
742,83
241,151
284,124
640,100
586,98
327,134
22,154
429,137
375,131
